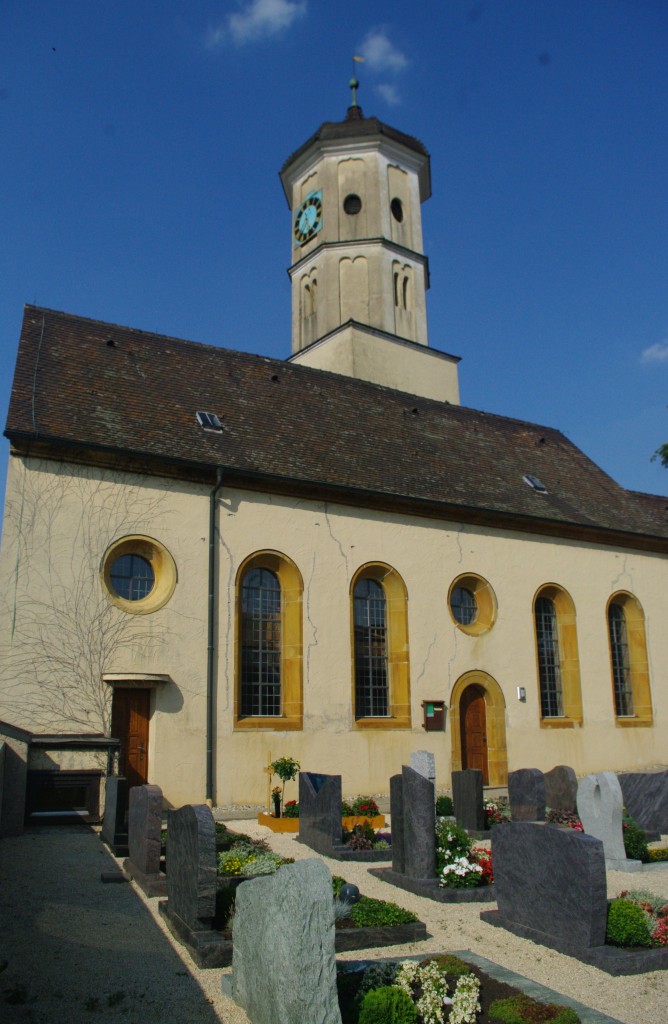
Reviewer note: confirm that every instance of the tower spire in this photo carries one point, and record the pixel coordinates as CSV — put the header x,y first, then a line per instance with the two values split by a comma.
x,y
354,110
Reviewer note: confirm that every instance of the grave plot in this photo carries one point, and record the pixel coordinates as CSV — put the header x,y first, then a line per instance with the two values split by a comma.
x,y
418,863
321,826
551,888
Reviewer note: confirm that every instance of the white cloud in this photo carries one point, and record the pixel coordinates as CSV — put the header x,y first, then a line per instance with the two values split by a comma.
x,y
381,55
258,19
389,93
657,353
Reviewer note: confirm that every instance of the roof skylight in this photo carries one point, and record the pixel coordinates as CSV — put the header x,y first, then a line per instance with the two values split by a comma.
x,y
209,421
535,483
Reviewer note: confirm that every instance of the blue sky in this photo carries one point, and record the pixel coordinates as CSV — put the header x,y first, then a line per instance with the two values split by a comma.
x,y
139,184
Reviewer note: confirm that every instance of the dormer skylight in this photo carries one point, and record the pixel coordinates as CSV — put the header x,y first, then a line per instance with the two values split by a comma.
x,y
209,421
535,483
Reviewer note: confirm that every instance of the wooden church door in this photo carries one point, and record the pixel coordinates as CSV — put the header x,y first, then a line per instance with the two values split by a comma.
x,y
473,718
129,724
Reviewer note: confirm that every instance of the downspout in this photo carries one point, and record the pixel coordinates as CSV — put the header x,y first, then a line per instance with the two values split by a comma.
x,y
211,646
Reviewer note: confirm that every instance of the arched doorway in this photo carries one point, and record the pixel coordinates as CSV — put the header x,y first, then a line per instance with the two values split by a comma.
x,y
478,727
473,726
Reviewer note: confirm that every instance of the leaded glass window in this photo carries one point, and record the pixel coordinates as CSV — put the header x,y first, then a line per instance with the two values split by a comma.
x,y
132,577
621,663
549,668
371,677
260,643
463,605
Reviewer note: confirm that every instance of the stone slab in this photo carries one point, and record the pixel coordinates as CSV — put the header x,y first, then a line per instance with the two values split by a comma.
x,y
467,797
145,829
419,824
397,814
320,813
600,807
551,880
151,885
115,821
561,789
207,948
645,797
430,889
607,958
424,762
526,794
191,853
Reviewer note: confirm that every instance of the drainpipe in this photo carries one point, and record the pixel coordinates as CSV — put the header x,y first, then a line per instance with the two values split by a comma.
x,y
211,646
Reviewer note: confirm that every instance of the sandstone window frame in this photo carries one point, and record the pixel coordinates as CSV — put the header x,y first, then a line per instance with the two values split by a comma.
x,y
161,562
569,660
484,597
638,662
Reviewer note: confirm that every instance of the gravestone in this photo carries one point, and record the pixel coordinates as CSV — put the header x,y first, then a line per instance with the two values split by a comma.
x,y
600,806
550,885
424,762
645,797
416,817
561,789
397,814
115,822
283,966
145,840
467,797
526,794
191,885
320,812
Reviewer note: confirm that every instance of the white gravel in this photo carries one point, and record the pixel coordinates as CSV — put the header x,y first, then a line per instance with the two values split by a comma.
x,y
75,949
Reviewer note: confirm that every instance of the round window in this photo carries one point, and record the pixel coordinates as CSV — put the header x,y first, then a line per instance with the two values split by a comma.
x,y
352,203
138,574
397,208
132,577
464,605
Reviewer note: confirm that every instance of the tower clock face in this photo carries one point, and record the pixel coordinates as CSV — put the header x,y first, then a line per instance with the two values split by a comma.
x,y
308,218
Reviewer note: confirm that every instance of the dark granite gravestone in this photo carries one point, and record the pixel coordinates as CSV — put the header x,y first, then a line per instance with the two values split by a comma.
x,y
526,794
191,885
320,812
145,840
468,800
646,799
561,789
115,823
551,888
397,813
284,966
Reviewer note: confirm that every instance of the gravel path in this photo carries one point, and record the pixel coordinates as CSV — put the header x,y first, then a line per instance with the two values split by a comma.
x,y
74,949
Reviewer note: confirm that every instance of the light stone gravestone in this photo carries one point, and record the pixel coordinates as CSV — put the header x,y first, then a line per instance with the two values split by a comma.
x,y
646,799
424,762
561,789
600,807
145,840
526,795
283,966
467,797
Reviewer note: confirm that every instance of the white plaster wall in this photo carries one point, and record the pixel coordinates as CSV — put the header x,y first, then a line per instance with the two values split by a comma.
x,y
328,543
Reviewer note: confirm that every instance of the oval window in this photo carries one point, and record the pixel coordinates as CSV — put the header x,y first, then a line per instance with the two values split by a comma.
x,y
463,605
132,577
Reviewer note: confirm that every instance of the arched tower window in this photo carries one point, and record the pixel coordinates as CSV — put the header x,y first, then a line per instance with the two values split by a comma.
x,y
379,613
628,660
268,689
557,657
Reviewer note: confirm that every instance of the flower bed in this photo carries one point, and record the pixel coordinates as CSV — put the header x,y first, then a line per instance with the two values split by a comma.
x,y
438,989
460,865
637,919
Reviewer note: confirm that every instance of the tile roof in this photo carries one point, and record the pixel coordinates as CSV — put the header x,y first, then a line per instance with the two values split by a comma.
x,y
84,388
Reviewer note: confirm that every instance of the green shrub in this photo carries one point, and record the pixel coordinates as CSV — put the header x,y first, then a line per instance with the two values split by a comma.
x,y
635,840
370,913
523,1009
448,964
661,853
387,1005
452,839
444,807
627,924
337,885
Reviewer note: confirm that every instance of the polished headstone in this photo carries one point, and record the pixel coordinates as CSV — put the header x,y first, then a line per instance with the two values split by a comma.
x,y
419,818
646,799
551,880
467,797
397,814
115,823
601,808
191,859
320,812
526,794
424,762
145,828
284,966
561,789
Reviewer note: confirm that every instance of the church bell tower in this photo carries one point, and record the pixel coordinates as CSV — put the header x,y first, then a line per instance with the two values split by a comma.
x,y
358,271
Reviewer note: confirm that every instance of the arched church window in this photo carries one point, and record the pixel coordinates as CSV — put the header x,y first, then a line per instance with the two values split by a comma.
x,y
628,660
371,688
557,657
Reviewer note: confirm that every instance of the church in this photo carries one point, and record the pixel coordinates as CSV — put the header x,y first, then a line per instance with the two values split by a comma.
x,y
212,559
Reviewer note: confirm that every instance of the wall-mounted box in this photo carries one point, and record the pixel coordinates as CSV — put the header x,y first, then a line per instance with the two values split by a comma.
x,y
434,715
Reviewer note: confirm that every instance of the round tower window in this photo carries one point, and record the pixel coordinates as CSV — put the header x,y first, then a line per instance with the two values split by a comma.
x,y
131,577
397,208
352,204
463,605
